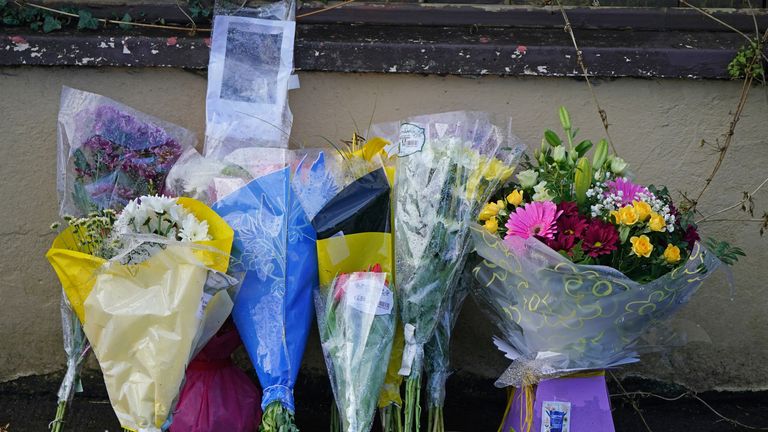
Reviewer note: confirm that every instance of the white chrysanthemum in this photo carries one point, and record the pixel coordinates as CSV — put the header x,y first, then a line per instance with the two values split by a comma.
x,y
193,229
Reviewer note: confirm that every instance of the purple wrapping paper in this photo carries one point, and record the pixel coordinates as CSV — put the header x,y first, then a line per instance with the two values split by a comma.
x,y
590,405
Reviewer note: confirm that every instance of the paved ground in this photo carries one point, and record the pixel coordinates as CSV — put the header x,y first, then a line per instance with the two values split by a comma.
x,y
28,404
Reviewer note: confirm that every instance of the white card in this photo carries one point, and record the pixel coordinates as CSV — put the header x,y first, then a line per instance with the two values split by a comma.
x,y
556,416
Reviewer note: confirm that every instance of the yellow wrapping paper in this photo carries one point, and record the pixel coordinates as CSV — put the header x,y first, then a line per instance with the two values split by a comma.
x,y
145,320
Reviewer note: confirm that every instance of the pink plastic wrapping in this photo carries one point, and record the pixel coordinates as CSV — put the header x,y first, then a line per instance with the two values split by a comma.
x,y
217,395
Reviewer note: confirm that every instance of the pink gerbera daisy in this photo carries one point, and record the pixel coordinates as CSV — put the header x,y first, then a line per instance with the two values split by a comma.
x,y
627,190
533,219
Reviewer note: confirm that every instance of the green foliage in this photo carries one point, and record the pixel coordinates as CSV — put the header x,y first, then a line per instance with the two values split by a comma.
x,y
87,21
199,9
21,15
748,61
50,24
277,418
725,252
127,18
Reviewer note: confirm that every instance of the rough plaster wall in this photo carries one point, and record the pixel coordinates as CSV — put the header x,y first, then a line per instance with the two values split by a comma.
x,y
657,125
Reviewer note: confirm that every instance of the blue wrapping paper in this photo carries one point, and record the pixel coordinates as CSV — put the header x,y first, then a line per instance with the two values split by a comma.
x,y
275,247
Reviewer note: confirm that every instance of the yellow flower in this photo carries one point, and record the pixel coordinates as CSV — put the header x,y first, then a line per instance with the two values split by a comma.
x,y
627,215
491,210
492,225
616,217
641,246
657,222
496,169
643,210
672,254
515,197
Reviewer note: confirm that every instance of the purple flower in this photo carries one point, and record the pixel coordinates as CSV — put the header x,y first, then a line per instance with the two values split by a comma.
x,y
625,189
600,238
691,236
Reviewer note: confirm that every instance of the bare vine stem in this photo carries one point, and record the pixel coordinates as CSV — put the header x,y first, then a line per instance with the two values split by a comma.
x,y
697,398
631,401
738,204
22,3
746,85
725,24
585,73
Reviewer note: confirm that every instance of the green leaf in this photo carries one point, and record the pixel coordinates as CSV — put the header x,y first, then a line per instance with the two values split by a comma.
x,y
724,251
127,17
623,233
583,147
50,24
3,3
87,21
552,138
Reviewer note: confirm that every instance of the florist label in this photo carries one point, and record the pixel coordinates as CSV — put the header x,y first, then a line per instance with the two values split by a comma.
x,y
556,417
412,139
362,294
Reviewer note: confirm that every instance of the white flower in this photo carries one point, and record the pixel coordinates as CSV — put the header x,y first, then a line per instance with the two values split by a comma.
x,y
558,154
542,193
618,165
193,229
528,178
157,203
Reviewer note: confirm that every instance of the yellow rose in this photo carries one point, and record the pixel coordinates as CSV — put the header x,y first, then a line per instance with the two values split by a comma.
x,y
628,215
641,246
491,210
657,222
492,225
672,254
515,198
616,217
643,210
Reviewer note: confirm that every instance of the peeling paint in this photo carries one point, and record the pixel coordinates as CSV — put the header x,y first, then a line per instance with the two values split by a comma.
x,y
541,69
125,49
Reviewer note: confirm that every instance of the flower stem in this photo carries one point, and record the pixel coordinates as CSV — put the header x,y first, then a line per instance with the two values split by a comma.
x,y
57,422
412,402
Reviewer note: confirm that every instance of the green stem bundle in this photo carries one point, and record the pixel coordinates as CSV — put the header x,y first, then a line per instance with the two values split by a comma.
x,y
436,421
391,418
413,402
58,421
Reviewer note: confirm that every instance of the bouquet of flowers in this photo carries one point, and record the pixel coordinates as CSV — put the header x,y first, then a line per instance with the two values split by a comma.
x,y
357,323
161,294
579,263
349,203
275,248
448,166
437,353
108,155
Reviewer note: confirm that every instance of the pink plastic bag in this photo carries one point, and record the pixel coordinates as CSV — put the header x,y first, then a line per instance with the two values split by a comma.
x,y
217,395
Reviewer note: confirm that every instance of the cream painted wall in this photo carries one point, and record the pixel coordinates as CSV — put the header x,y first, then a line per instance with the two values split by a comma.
x,y
657,125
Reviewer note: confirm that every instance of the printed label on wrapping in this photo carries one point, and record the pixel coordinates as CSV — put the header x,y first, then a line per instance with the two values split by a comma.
x,y
363,293
412,139
203,304
556,416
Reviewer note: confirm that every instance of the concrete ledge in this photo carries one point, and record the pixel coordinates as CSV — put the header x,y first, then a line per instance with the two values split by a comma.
x,y
443,40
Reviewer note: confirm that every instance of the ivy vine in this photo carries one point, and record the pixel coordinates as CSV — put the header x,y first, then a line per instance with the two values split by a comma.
x,y
18,15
